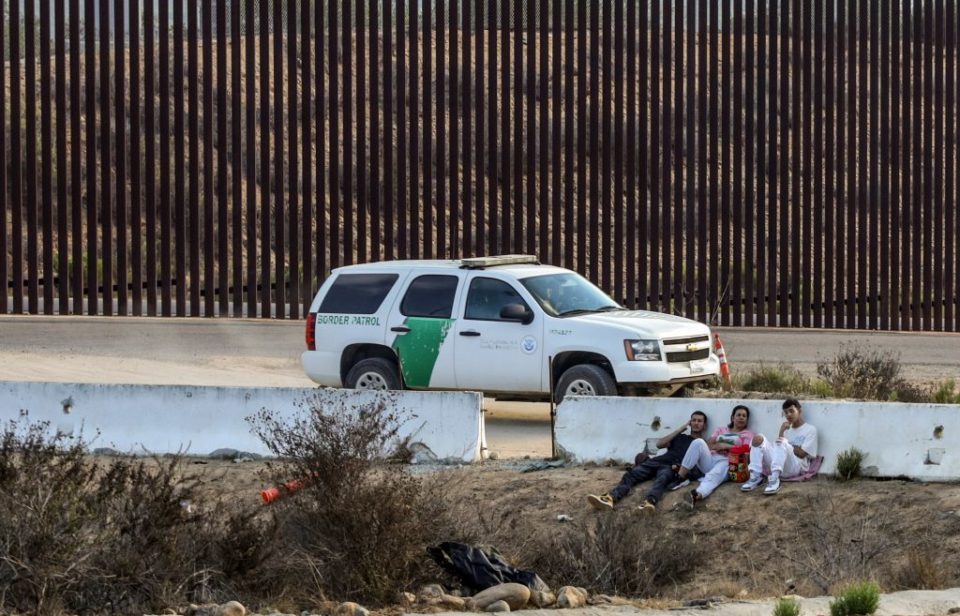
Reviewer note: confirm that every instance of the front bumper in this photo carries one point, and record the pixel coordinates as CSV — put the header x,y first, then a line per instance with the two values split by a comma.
x,y
659,373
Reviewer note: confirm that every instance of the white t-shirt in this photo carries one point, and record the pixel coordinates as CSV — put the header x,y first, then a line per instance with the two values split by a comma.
x,y
804,437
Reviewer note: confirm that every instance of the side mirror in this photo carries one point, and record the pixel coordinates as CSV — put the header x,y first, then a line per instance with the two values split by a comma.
x,y
516,312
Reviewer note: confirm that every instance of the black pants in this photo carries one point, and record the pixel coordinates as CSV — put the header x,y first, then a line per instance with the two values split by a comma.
x,y
661,472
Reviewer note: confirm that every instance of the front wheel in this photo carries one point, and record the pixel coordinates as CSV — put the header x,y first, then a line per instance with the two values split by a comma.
x,y
373,373
585,380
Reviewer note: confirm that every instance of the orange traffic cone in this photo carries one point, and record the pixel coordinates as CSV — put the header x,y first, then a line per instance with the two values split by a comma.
x,y
271,494
724,365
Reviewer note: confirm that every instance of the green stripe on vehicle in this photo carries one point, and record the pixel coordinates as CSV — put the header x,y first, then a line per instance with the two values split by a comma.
x,y
419,348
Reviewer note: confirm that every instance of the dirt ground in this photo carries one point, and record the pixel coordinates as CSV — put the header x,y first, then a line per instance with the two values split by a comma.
x,y
904,534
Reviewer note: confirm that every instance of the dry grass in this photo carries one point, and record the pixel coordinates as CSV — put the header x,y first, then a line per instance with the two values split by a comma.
x,y
78,536
358,529
141,535
619,556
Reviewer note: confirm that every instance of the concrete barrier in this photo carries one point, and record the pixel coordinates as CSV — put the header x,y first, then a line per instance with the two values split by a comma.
x,y
197,420
900,440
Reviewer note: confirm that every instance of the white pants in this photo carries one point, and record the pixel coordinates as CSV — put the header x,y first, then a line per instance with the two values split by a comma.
x,y
713,465
777,456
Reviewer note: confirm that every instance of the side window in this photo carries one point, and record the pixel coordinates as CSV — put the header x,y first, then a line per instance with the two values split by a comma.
x,y
357,293
487,297
430,296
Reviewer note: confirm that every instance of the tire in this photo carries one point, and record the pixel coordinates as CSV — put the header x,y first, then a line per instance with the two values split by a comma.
x,y
684,392
585,380
374,373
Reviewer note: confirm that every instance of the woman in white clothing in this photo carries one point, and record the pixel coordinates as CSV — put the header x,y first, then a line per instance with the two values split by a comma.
x,y
710,456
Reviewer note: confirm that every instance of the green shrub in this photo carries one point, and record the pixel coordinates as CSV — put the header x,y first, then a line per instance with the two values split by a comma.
x,y
820,389
860,599
786,606
946,393
862,372
850,464
773,379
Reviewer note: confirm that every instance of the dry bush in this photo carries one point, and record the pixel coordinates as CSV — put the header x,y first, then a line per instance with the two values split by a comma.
x,y
924,569
905,391
359,527
76,536
150,534
164,550
619,556
864,373
47,512
836,543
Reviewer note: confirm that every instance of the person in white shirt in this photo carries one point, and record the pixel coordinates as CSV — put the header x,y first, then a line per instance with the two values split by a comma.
x,y
788,456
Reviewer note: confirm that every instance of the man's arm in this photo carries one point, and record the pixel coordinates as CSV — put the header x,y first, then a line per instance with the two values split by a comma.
x,y
808,448
716,445
665,441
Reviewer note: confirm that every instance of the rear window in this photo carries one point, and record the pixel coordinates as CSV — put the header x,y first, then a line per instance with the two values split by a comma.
x,y
357,293
430,296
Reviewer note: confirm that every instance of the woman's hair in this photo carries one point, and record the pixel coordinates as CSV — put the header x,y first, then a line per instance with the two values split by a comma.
x,y
734,412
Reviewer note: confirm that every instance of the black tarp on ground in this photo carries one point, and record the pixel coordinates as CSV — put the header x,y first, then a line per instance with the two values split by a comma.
x,y
480,568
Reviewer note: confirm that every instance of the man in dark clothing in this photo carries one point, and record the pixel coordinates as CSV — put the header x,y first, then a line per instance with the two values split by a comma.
x,y
661,467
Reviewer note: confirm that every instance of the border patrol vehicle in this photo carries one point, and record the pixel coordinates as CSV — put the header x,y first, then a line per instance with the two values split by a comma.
x,y
505,325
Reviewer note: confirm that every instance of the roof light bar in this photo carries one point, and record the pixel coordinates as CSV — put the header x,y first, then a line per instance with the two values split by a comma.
x,y
482,262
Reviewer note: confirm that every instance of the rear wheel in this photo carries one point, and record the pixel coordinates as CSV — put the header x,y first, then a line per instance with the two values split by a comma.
x,y
373,373
685,391
585,380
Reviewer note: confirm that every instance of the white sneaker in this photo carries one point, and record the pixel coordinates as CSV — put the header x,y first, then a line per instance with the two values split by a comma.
x,y
753,483
773,486
682,484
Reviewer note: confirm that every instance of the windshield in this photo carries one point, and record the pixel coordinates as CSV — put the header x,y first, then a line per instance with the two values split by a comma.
x,y
568,294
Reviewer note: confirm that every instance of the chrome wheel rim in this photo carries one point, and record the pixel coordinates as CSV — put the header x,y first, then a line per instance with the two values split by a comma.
x,y
371,380
580,387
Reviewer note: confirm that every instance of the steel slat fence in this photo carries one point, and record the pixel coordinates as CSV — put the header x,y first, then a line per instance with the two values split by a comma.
x,y
741,162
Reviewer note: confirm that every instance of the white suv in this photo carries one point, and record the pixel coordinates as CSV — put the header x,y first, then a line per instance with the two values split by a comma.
x,y
507,326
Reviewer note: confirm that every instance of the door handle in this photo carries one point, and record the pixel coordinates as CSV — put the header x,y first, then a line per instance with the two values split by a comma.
x,y
469,332
402,329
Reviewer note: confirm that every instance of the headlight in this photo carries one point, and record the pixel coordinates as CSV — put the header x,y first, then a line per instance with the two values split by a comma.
x,y
642,350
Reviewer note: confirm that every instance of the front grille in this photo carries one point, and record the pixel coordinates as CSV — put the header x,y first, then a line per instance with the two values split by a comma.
x,y
686,340
687,355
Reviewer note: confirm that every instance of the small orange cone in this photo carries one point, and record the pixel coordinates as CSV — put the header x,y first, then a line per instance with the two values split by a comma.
x,y
271,494
724,365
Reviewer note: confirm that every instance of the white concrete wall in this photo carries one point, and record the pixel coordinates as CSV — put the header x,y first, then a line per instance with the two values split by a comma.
x,y
198,420
899,439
